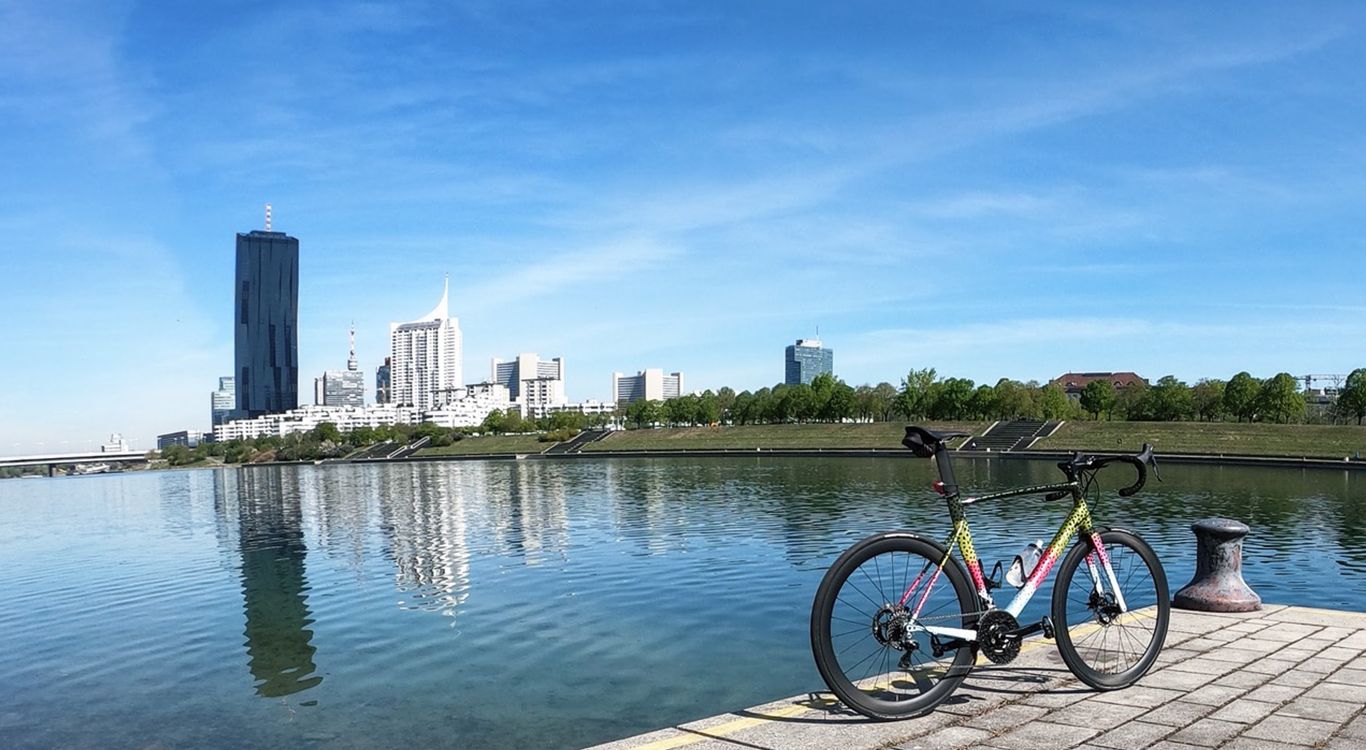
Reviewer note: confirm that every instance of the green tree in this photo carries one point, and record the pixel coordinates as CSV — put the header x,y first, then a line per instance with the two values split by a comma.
x,y
913,401
1352,397
800,402
949,399
982,405
1012,399
1099,396
643,412
725,398
177,455
1280,398
1240,396
326,432
1132,401
1207,399
1169,400
841,403
741,411
1053,402
864,410
884,401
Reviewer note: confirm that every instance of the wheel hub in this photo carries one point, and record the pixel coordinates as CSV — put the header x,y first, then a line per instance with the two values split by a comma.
x,y
892,627
1105,607
996,638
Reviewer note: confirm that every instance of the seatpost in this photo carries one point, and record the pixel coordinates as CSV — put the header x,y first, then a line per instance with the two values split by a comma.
x,y
941,458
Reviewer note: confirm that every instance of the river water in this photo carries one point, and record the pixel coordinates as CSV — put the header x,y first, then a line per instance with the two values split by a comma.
x,y
548,604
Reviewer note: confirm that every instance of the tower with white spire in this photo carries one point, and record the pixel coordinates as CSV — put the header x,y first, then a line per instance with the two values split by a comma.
x,y
425,357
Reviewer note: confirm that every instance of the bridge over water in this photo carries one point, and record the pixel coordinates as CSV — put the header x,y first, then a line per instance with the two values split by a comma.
x,y
53,460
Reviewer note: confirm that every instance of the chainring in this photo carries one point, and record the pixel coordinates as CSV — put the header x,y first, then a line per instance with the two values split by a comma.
x,y
995,638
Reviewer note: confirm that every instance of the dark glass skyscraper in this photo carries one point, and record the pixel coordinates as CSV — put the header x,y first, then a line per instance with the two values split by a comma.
x,y
266,316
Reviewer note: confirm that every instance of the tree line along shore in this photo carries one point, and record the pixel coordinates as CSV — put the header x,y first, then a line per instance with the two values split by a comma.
x,y
1243,416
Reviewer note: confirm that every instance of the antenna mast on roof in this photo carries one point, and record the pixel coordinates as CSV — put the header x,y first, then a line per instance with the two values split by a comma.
x,y
267,217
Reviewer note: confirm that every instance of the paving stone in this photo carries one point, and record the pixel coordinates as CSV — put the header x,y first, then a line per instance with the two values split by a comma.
x,y
1342,655
1134,735
1041,735
1175,680
1235,655
947,739
1214,695
1245,711
1274,694
1287,632
1248,743
1140,695
1298,679
1057,698
1206,665
1323,710
1178,713
1270,666
1006,717
1244,679
1355,729
1097,714
1348,676
1207,732
1291,730
1320,664
1337,691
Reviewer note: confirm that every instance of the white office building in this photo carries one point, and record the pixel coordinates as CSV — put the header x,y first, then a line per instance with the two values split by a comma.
x,y
535,385
470,406
651,385
425,355
305,418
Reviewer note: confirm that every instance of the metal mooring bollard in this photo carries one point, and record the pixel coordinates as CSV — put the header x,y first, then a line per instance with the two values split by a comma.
x,y
1218,585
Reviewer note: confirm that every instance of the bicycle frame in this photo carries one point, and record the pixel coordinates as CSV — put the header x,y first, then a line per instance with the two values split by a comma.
x,y
1078,523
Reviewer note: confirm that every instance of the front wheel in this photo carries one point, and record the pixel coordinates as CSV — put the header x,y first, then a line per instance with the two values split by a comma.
x,y
1105,647
869,620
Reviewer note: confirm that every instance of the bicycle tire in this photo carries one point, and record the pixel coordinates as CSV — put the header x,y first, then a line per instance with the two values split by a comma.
x,y
1079,621
946,673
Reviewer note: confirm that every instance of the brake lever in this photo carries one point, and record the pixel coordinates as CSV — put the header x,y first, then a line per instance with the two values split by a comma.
x,y
1152,462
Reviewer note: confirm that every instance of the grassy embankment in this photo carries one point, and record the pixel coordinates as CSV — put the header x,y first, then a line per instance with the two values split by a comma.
x,y
1222,438
489,444
1326,441
886,435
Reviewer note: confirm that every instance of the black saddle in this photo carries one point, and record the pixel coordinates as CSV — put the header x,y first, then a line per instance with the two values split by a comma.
x,y
925,443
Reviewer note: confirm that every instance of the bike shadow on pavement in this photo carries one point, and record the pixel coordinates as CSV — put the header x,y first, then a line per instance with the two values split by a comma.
x,y
986,686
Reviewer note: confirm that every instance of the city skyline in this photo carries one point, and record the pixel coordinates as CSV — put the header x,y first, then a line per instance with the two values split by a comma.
x,y
987,190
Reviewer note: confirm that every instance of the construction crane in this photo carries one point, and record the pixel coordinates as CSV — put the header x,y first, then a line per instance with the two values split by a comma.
x,y
1332,382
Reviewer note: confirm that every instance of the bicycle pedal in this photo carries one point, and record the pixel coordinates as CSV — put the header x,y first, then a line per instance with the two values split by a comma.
x,y
1047,624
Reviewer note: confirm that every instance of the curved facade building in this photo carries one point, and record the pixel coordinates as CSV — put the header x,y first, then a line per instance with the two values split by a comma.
x,y
424,358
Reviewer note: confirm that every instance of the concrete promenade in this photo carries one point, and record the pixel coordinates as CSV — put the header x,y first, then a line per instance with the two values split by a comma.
x,y
1281,677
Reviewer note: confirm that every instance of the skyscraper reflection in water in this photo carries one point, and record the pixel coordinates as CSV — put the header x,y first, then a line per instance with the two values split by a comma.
x,y
270,538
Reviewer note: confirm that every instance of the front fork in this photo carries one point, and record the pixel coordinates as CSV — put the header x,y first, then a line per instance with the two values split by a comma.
x,y
1098,552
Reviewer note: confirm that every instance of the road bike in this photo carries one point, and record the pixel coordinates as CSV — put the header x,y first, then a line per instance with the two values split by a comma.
x,y
892,640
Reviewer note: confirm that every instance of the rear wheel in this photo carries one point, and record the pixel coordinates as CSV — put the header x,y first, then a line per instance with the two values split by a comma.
x,y
868,638
1106,648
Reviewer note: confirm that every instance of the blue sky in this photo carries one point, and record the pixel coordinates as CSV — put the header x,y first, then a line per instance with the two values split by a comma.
x,y
1004,189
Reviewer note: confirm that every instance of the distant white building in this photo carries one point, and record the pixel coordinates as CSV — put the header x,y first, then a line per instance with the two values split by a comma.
x,y
535,385
305,418
424,367
116,444
470,405
651,385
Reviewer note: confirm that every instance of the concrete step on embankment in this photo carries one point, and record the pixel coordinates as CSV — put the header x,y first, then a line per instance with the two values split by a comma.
x,y
1289,676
